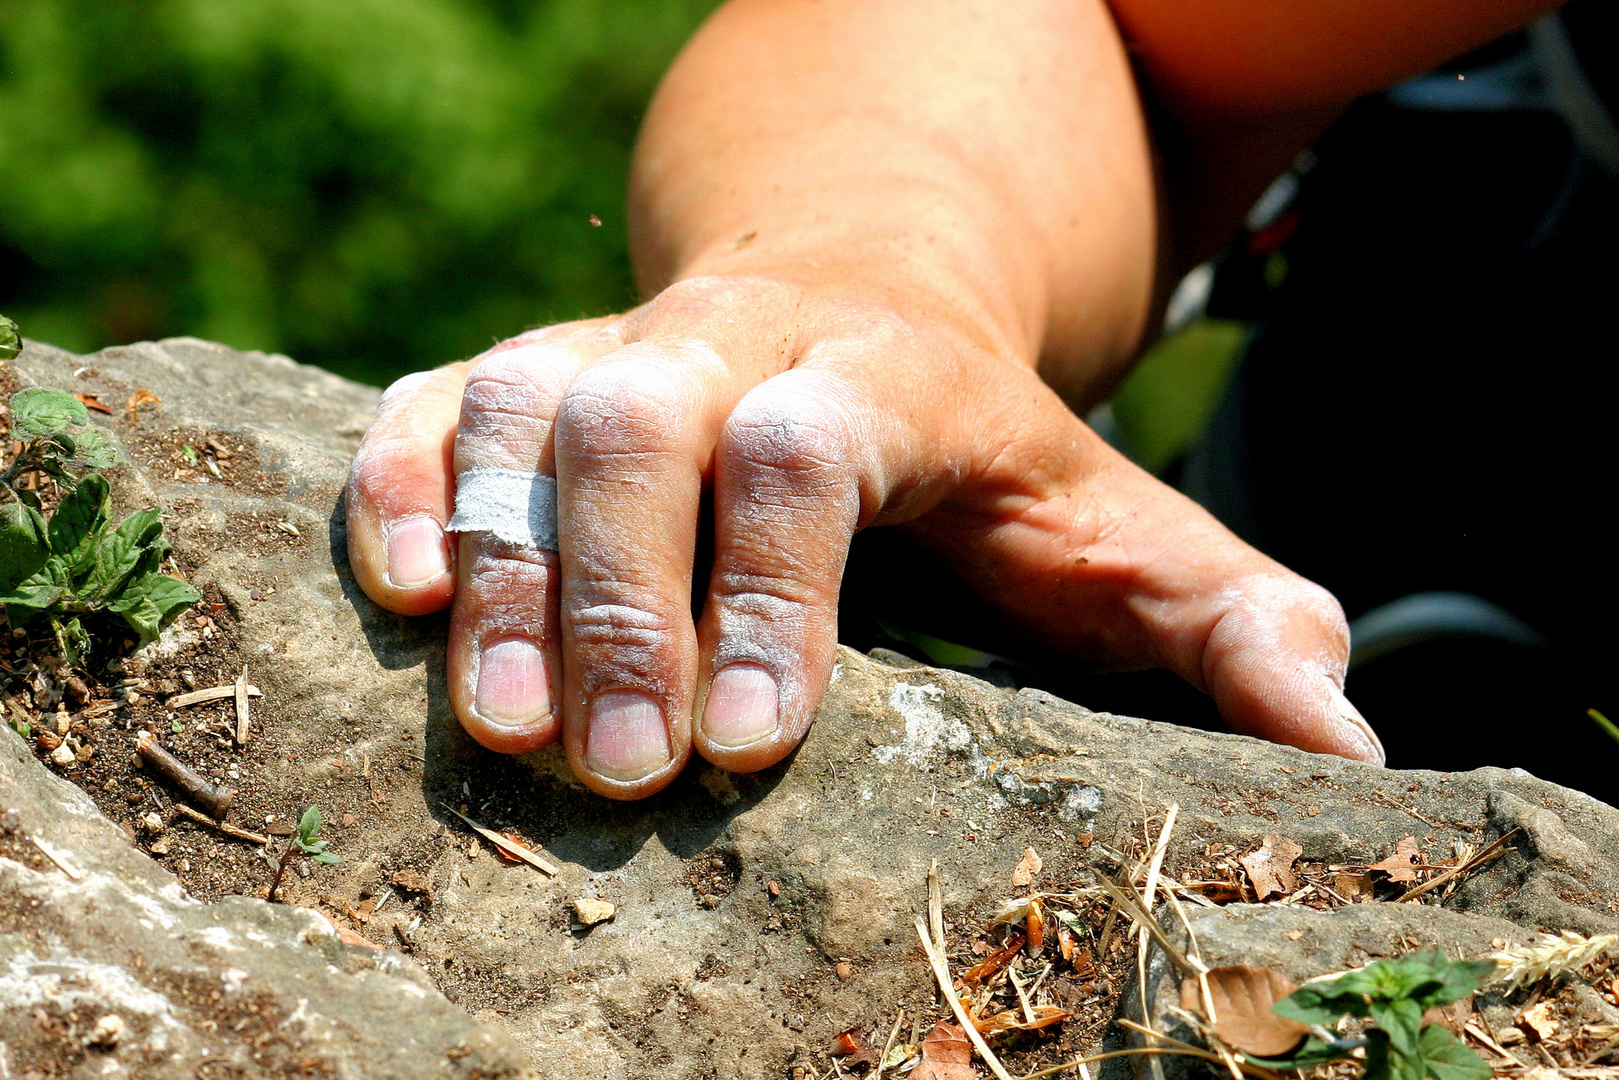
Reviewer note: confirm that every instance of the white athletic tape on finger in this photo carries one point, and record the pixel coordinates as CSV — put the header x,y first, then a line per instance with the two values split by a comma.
x,y
516,507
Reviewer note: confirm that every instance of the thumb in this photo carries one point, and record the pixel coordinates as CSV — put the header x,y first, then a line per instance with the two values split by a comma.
x,y
1120,571
1274,660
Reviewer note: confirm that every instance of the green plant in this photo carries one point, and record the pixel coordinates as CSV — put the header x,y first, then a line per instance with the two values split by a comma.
x,y
304,840
1392,995
73,564
10,342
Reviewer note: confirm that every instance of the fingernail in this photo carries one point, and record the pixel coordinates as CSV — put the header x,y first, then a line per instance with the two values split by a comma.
x,y
628,737
1351,716
513,685
741,705
417,552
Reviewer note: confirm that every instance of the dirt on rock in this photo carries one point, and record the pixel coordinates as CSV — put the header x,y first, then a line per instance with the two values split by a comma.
x,y
757,918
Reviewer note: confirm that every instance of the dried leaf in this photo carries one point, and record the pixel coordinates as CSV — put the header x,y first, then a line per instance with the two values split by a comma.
x,y
1353,886
983,972
1013,1020
1539,1019
1065,943
1035,924
1028,866
1243,996
946,1055
139,398
1402,865
1271,867
852,1044
91,401
1012,911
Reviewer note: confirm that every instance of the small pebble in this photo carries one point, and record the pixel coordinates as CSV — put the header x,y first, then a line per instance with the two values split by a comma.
x,y
152,822
108,1030
591,912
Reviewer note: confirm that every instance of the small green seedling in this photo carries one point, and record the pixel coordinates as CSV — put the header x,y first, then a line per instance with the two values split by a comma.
x,y
1393,995
305,840
74,563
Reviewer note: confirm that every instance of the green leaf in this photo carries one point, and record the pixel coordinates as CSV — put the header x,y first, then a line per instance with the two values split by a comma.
x,y
24,546
95,450
22,727
35,594
1311,1052
1383,1062
1445,1057
1319,1003
10,339
71,637
176,727
327,857
1457,979
1070,920
37,411
151,601
119,553
189,454
309,823
77,523
1401,1020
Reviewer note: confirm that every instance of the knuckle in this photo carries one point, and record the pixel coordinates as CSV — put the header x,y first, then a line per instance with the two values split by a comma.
x,y
702,294
796,433
622,408
512,383
619,627
764,595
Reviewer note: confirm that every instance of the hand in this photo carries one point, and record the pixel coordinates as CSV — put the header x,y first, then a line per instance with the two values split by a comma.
x,y
810,409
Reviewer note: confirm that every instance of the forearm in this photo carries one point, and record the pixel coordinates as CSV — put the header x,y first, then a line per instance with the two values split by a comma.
x,y
990,159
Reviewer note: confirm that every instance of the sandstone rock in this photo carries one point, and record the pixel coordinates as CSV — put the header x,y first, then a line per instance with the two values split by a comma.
x,y
107,967
738,896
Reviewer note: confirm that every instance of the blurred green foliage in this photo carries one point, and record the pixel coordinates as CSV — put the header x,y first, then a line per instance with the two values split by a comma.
x,y
372,185
1167,402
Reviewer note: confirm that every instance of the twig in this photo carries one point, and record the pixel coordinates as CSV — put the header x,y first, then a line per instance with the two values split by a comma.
x,y
1494,851
941,972
936,906
61,862
516,851
241,707
223,826
893,1034
1176,1048
1389,801
1080,1062
1149,895
212,693
214,799
1127,899
1022,995
1479,1034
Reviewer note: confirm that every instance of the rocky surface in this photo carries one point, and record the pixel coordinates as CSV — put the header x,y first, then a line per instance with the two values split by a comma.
x,y
108,968
755,915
